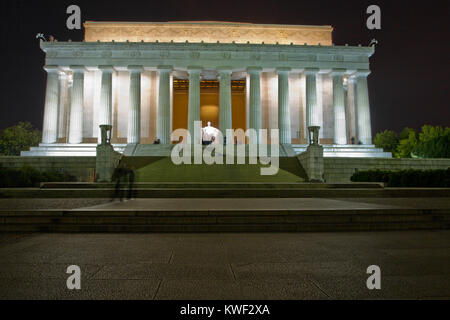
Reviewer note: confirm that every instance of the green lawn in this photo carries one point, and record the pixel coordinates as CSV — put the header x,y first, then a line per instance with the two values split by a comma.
x,y
159,169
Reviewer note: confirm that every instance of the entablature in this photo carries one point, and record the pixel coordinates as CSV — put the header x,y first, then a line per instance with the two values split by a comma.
x,y
208,55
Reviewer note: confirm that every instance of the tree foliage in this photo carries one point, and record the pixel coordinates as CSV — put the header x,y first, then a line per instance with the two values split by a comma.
x,y
18,138
430,142
434,142
404,134
28,176
407,145
405,178
387,140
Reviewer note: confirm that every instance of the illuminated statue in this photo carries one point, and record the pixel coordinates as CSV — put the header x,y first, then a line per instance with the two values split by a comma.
x,y
210,134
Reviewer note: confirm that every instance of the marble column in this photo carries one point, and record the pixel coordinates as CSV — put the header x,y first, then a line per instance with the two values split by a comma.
x,y
76,106
105,110
171,103
351,109
134,109
255,98
340,130
284,118
63,107
225,115
194,100
50,126
247,101
363,108
163,124
312,116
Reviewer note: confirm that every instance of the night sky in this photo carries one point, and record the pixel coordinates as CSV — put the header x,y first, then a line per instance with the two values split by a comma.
x,y
408,86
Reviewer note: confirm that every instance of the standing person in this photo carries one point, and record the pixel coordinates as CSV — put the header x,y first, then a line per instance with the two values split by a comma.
x,y
118,176
130,172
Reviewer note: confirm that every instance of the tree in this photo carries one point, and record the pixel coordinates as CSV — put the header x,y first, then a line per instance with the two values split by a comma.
x,y
18,138
404,134
387,140
407,145
431,142
434,142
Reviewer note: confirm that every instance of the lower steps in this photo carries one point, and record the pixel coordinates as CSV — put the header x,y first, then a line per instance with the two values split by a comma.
x,y
228,192
297,220
209,185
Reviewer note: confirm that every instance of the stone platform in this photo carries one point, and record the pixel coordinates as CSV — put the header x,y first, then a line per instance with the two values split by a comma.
x,y
233,215
347,151
68,150
88,149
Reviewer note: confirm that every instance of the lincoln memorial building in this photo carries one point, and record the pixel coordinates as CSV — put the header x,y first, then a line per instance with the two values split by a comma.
x,y
149,79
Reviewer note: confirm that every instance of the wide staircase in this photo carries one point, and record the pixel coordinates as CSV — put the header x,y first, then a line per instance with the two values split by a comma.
x,y
230,207
183,220
226,198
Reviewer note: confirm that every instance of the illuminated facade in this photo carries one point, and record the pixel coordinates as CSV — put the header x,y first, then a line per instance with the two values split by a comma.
x,y
148,79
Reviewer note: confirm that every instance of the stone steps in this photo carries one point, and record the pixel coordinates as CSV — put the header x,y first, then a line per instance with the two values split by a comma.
x,y
231,192
347,151
67,150
96,220
219,185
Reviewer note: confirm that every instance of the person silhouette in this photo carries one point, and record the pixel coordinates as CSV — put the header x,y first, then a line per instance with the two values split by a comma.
x,y
123,174
118,177
131,177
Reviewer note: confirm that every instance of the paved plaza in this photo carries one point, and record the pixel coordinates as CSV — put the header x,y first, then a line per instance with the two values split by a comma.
x,y
414,264
278,204
227,203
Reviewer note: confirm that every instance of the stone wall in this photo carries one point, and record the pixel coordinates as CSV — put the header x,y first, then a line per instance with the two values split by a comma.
x,y
341,169
335,169
313,163
81,167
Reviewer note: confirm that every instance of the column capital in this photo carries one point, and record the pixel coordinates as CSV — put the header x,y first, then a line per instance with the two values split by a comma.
x,y
362,73
283,70
227,70
135,69
311,71
106,68
254,69
338,72
194,69
52,69
77,69
164,68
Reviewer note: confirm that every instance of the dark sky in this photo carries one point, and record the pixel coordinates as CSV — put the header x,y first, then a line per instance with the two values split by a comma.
x,y
409,84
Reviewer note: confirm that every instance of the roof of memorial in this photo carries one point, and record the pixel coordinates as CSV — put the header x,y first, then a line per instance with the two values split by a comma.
x,y
208,32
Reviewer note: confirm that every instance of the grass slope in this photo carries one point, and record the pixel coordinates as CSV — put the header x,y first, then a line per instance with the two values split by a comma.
x,y
159,169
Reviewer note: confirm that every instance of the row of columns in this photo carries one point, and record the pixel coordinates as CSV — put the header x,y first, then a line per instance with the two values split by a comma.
x,y
225,117
363,124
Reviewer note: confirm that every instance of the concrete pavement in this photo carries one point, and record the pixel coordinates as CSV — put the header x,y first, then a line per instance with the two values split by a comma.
x,y
414,264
